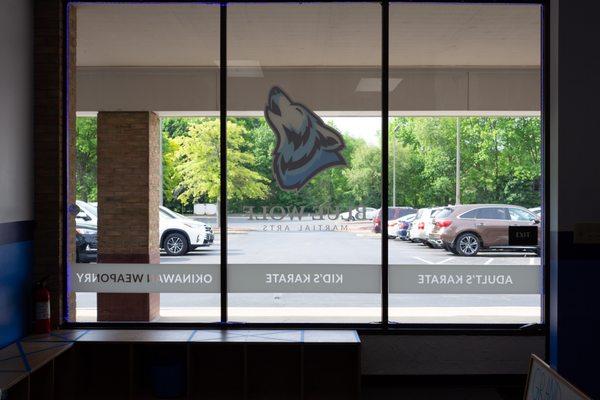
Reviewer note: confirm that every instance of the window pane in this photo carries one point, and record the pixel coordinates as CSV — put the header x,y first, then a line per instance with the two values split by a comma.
x,y
520,215
147,242
444,212
491,213
464,132
304,162
470,214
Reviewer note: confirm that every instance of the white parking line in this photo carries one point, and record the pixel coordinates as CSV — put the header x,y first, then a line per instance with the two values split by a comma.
x,y
488,261
447,259
423,260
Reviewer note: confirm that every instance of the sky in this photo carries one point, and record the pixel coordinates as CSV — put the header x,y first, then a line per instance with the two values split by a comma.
x,y
359,127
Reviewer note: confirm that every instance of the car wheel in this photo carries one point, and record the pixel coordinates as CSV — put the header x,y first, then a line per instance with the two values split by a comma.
x,y
467,244
428,244
176,244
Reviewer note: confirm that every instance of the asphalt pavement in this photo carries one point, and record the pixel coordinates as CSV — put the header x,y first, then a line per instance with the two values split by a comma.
x,y
318,242
308,242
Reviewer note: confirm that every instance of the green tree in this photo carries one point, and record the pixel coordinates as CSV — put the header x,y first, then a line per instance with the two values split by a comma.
x,y
258,141
86,160
198,163
364,175
425,160
328,189
500,163
170,175
177,126
502,160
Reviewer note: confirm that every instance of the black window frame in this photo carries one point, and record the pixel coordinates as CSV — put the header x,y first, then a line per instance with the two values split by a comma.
x,y
384,326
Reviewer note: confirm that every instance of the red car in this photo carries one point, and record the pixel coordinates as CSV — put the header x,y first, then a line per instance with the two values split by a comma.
x,y
393,213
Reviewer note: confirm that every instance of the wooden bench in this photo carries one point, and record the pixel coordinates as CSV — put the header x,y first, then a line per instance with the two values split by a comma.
x,y
211,364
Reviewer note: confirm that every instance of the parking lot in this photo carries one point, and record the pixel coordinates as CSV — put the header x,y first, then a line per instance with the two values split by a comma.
x,y
251,243
258,242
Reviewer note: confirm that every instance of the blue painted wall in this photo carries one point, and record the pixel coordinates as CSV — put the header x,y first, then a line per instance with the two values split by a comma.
x,y
15,290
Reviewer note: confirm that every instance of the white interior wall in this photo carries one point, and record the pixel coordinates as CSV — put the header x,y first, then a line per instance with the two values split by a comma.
x,y
16,114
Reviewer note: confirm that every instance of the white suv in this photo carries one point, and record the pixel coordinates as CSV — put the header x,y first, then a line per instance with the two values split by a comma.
x,y
178,233
422,225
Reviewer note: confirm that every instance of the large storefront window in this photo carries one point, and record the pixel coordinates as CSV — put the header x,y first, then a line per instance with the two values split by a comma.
x,y
147,164
465,154
304,114
302,219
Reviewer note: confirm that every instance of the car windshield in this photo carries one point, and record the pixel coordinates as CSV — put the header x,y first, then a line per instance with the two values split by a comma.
x,y
520,215
88,208
164,214
491,213
444,212
408,217
172,213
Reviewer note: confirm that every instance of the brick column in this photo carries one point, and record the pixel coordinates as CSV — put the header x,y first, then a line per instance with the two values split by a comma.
x,y
50,200
128,200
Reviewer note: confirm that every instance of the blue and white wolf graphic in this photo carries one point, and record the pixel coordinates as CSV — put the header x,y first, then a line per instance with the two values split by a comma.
x,y
305,144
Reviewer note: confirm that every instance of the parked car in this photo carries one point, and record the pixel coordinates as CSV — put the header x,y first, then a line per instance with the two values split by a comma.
x,y
86,242
403,225
87,213
392,228
429,225
537,211
393,213
369,212
178,233
467,229
422,226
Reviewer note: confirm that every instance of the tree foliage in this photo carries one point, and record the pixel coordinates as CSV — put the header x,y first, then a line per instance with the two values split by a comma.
x,y
500,160
170,175
198,164
500,163
86,188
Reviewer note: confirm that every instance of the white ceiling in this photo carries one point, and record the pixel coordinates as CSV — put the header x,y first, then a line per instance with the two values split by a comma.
x,y
327,34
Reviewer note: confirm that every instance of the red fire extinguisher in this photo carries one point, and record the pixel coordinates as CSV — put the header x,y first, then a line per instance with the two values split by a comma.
x,y
42,307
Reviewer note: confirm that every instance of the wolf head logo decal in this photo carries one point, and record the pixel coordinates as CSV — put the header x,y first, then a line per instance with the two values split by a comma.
x,y
305,144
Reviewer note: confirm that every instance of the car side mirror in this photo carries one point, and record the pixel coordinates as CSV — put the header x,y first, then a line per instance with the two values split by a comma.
x,y
536,221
